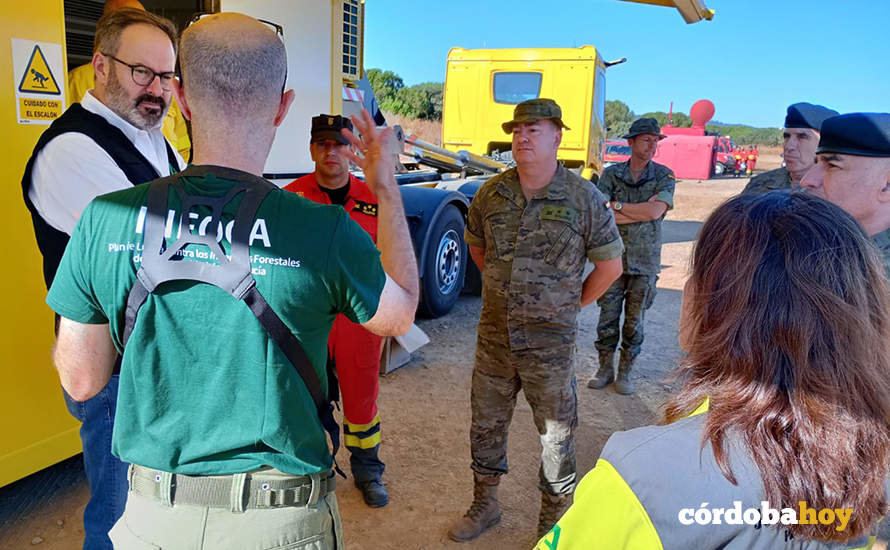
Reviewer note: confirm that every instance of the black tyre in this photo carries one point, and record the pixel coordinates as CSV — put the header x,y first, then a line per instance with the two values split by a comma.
x,y
445,264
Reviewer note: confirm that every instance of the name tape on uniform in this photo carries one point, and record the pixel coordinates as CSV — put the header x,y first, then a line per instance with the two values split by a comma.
x,y
559,213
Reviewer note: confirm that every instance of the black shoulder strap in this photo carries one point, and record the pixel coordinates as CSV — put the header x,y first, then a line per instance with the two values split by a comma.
x,y
171,158
161,264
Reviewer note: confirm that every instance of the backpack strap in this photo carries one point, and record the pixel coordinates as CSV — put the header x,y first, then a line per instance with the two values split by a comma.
x,y
162,264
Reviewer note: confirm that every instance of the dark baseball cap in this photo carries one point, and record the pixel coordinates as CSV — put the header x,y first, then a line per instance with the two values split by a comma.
x,y
533,110
328,127
807,115
860,134
644,126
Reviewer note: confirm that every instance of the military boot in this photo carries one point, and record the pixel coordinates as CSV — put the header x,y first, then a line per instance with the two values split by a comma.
x,y
483,513
606,373
367,468
623,384
552,508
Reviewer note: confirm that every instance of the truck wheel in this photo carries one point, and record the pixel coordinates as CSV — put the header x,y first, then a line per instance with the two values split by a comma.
x,y
446,264
718,169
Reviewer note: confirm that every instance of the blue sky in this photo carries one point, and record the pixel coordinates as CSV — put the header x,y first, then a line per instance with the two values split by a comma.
x,y
752,60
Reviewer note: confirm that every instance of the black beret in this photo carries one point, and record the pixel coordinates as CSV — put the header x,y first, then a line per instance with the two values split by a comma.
x,y
860,134
328,127
807,115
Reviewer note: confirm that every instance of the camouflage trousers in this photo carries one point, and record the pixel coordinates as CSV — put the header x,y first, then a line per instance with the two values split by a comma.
x,y
547,377
635,294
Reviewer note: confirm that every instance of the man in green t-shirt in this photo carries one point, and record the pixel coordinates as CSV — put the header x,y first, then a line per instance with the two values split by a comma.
x,y
226,437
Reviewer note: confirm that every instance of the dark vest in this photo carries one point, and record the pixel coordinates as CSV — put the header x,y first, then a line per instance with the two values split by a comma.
x,y
136,167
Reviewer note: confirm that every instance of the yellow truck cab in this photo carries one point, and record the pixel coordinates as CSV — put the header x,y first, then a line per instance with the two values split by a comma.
x,y
483,86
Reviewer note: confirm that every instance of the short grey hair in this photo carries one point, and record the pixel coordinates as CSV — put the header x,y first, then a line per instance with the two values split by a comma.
x,y
232,75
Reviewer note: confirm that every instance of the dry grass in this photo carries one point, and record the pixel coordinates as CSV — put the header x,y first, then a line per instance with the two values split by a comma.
x,y
429,131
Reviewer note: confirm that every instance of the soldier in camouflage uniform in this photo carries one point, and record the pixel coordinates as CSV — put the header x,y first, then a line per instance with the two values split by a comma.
x,y
640,192
800,137
531,230
853,171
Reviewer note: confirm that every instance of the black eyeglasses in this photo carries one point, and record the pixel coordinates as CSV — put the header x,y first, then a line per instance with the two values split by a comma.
x,y
144,76
279,30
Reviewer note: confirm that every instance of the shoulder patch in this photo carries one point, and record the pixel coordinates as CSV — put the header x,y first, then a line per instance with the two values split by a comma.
x,y
367,208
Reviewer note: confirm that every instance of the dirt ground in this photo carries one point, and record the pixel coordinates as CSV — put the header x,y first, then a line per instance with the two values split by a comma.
x,y
425,414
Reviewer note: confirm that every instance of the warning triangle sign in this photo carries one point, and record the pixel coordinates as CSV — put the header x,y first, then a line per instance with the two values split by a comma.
x,y
38,78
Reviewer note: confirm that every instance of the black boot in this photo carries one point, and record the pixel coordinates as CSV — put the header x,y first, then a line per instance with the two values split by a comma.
x,y
367,469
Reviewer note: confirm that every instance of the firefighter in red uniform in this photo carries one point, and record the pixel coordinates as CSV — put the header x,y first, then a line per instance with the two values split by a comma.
x,y
738,156
354,351
752,159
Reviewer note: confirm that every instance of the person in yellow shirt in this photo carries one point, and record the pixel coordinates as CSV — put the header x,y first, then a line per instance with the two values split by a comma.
x,y
81,79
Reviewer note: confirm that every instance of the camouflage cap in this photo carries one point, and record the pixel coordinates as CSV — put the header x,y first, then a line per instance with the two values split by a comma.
x,y
328,127
533,110
644,126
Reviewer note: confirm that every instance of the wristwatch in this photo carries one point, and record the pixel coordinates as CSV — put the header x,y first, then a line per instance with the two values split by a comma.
x,y
617,206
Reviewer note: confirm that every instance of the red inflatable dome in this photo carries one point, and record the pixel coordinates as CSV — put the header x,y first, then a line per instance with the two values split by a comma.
x,y
701,112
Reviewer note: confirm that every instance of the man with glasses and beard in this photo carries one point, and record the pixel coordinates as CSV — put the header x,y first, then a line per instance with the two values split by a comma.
x,y
110,141
81,79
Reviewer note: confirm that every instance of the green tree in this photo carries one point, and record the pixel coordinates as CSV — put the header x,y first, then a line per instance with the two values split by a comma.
x,y
419,101
386,84
434,92
747,135
618,118
412,102
678,119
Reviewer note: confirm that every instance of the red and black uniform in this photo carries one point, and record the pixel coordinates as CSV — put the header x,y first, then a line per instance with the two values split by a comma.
x,y
354,350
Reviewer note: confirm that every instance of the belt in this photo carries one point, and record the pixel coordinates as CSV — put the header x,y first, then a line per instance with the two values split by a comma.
x,y
236,491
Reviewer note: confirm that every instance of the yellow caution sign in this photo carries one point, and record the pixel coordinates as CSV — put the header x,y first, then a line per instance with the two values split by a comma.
x,y
38,77
38,80
40,109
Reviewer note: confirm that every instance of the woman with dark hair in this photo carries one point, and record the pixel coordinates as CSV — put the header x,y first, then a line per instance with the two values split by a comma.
x,y
780,435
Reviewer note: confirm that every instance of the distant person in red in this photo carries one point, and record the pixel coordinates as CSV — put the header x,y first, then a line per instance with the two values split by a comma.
x,y
752,159
737,156
354,351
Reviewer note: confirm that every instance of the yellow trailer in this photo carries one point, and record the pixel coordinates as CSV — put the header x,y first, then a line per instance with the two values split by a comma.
x,y
37,430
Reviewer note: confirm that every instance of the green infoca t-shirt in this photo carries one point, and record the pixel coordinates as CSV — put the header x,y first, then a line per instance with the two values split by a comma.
x,y
203,389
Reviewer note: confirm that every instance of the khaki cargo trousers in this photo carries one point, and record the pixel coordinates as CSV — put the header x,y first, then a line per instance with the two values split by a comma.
x,y
261,510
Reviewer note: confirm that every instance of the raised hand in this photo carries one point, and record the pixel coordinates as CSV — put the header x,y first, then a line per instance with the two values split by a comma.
x,y
375,158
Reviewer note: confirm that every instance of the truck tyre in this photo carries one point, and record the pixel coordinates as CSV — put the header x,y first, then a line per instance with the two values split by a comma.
x,y
718,168
445,264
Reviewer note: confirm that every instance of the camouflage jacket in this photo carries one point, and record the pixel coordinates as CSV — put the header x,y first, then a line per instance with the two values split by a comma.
x,y
535,255
770,181
642,240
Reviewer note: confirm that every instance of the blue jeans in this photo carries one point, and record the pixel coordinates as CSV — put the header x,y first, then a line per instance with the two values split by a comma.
x,y
106,474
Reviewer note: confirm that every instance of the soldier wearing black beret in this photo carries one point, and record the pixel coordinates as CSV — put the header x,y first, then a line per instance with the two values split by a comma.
x,y
800,136
853,171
